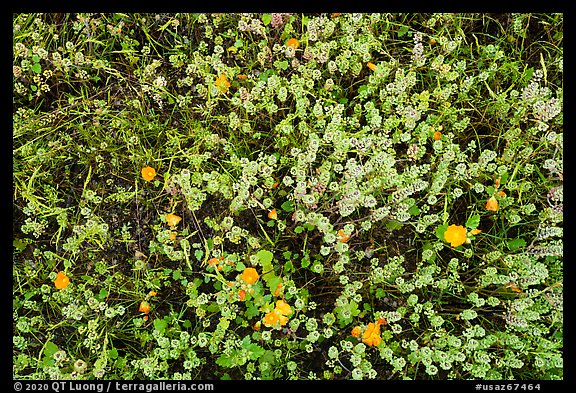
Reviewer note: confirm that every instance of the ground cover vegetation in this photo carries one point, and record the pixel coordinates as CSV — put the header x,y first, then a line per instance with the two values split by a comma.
x,y
287,196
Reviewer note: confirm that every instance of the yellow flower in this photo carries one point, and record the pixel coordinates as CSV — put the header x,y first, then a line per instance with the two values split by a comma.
x,y
356,331
455,235
372,66
173,219
148,173
492,204
475,231
250,275
372,335
293,42
61,281
222,83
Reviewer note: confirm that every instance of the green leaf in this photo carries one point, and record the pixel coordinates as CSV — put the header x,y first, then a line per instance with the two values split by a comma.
x,y
528,75
305,261
227,360
19,244
50,349
268,357
238,43
102,294
414,210
251,311
299,229
113,353
441,230
309,227
393,225
504,178
187,324
36,67
473,222
288,206
490,190
266,19
268,274
289,267
199,254
403,30
255,350
160,325
265,257
283,65
515,244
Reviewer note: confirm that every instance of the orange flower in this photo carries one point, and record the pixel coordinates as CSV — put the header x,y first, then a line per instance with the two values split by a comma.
x,y
61,281
272,214
343,237
501,194
437,135
497,182
152,293
222,83
278,315
372,335
293,42
455,235
144,307
275,184
173,219
283,307
242,294
492,204
242,76
173,235
256,326
271,318
148,173
250,275
382,321
432,41
356,331
278,289
372,66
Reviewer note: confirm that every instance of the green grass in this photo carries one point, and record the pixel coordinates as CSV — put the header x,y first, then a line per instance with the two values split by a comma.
x,y
346,155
